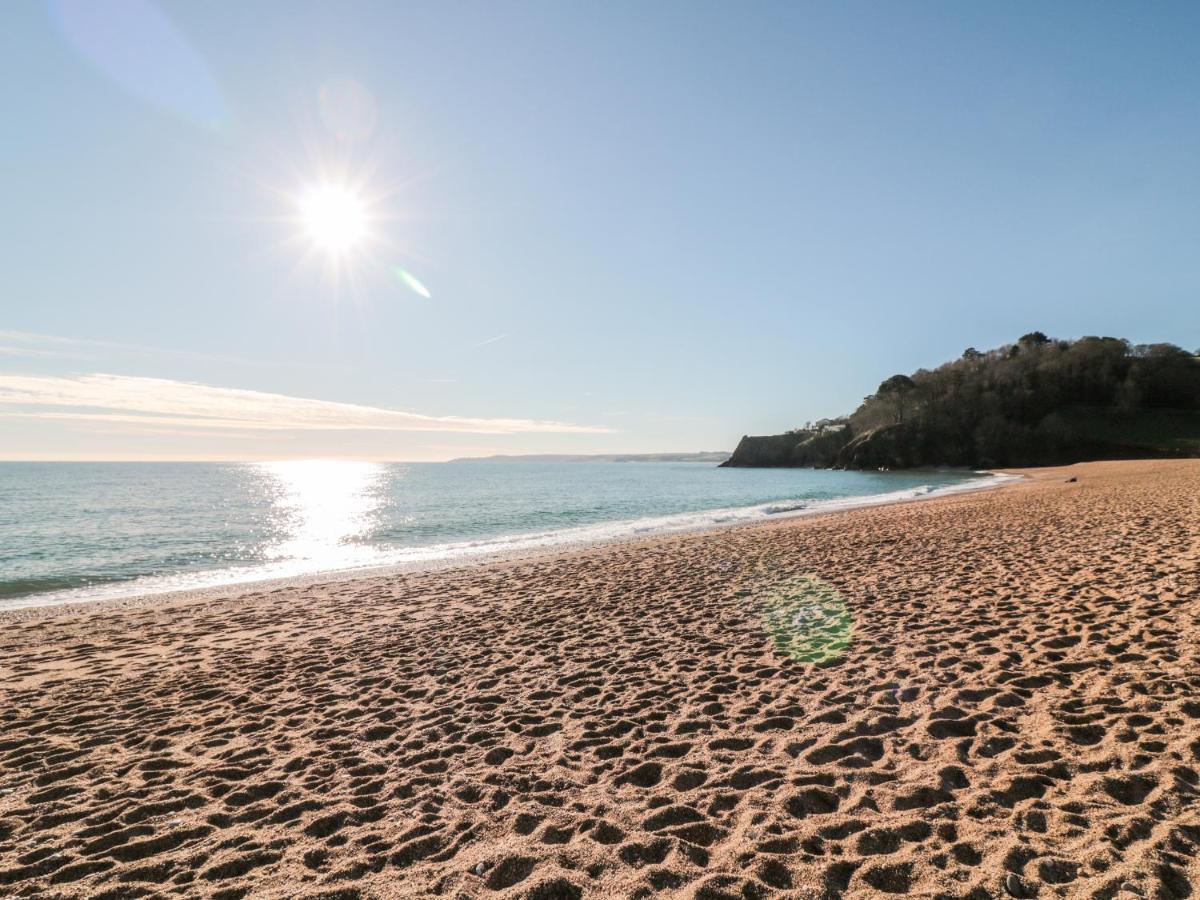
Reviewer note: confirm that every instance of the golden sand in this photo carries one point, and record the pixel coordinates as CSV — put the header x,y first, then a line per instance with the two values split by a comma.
x,y
972,696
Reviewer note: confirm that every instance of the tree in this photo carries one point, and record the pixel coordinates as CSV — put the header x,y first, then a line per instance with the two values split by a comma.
x,y
896,389
1033,339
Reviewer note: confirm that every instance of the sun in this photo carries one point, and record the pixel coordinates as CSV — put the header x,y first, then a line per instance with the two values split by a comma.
x,y
335,218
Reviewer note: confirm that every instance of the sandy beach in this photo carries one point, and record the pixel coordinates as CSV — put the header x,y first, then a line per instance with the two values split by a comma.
x,y
980,695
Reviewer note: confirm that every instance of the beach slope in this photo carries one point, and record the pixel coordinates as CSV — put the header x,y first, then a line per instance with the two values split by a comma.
x,y
981,695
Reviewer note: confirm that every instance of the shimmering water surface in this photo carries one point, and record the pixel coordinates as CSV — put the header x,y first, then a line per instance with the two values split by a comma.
x,y
74,531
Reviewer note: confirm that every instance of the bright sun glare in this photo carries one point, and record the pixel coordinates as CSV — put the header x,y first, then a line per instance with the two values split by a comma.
x,y
334,218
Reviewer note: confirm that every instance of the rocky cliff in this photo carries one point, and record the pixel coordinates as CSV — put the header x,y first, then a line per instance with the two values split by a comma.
x,y
1039,401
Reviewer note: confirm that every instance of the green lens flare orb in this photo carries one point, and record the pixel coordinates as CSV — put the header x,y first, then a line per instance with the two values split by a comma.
x,y
409,280
808,620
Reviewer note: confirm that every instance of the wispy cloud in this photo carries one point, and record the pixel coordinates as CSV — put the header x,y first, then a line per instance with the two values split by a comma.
x,y
24,343
12,350
31,344
492,340
119,399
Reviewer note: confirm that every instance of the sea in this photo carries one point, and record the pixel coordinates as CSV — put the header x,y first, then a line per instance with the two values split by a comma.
x,y
86,531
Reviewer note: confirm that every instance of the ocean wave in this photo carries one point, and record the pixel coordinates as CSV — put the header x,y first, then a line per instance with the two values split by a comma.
x,y
774,509
18,587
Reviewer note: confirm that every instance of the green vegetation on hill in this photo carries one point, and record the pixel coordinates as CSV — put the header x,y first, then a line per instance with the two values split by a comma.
x,y
1036,402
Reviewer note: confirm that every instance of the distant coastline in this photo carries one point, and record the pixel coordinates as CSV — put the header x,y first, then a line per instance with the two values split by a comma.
x,y
700,456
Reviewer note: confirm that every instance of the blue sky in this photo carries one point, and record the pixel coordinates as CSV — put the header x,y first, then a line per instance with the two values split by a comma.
x,y
642,226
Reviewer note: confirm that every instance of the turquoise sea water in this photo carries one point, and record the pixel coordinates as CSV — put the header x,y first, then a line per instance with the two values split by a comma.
x,y
76,531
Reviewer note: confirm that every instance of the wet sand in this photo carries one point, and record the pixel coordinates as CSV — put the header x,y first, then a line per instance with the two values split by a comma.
x,y
976,696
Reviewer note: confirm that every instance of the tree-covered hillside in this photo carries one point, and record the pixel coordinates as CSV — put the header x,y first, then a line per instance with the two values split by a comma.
x,y
1036,402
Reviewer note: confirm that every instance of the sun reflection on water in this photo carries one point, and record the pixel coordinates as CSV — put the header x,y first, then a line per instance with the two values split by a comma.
x,y
325,510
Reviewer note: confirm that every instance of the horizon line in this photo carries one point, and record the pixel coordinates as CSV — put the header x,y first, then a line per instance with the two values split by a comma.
x,y
319,458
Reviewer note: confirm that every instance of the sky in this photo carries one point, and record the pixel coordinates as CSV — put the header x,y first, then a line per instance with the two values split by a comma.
x,y
610,227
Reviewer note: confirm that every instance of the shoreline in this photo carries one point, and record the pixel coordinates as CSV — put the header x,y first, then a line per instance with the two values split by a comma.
x,y
982,695
42,604
974,696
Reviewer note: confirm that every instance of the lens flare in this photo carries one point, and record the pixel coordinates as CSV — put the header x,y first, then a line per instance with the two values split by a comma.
x,y
808,620
409,280
137,47
348,110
